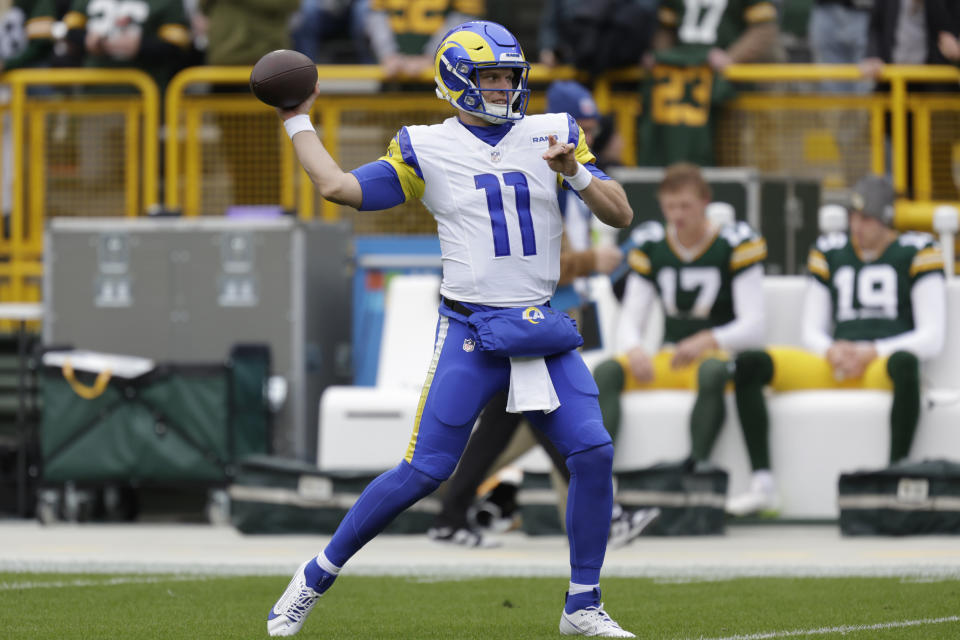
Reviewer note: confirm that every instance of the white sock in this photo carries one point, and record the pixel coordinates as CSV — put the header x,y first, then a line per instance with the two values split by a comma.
x,y
581,588
763,480
326,565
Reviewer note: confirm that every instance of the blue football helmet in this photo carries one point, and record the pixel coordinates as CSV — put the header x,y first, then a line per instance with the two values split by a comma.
x,y
467,49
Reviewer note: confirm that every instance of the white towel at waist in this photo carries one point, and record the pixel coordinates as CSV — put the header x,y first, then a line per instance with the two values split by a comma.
x,y
531,388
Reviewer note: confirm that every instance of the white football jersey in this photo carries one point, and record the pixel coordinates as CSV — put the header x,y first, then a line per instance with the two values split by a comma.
x,y
496,207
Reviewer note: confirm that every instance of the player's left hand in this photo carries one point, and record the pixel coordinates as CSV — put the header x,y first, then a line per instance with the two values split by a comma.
x,y
949,46
862,355
718,59
560,156
689,349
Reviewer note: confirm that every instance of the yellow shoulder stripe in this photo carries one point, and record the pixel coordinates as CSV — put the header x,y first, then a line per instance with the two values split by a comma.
x,y
469,7
75,20
175,34
748,253
639,262
763,12
817,264
582,152
926,260
410,182
667,17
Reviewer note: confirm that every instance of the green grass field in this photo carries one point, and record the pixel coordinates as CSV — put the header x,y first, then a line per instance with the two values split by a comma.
x,y
64,606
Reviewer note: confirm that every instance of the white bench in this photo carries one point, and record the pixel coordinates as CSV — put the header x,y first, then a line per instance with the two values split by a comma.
x,y
368,428
815,435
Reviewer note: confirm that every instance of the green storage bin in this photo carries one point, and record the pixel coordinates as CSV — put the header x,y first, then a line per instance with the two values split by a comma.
x,y
127,420
280,495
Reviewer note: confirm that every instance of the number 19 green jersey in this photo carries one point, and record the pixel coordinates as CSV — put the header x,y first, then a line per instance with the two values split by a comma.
x,y
872,299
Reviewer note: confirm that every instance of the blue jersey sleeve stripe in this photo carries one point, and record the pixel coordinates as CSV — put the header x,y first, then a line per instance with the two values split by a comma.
x,y
406,150
573,137
592,168
596,171
380,186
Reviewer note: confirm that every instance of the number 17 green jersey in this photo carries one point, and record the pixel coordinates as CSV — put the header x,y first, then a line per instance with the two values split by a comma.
x,y
696,290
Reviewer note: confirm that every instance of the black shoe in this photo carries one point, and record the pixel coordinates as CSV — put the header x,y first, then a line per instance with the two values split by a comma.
x,y
462,536
496,511
629,525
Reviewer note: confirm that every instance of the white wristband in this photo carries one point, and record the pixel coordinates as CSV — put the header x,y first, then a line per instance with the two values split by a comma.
x,y
581,179
298,123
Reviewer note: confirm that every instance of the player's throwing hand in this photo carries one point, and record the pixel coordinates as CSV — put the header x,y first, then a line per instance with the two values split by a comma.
x,y
302,108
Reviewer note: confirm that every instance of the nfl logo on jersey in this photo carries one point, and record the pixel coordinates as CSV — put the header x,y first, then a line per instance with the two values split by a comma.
x,y
468,345
495,155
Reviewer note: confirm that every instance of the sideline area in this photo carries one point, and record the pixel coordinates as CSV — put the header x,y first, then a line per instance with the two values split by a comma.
x,y
746,550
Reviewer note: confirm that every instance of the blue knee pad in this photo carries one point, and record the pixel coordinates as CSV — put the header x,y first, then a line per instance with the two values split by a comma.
x,y
596,463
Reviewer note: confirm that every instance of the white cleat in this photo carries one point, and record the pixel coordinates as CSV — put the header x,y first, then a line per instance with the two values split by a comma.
x,y
591,621
755,501
291,610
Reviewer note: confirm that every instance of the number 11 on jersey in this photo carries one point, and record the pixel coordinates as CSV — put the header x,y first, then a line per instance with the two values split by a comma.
x,y
498,219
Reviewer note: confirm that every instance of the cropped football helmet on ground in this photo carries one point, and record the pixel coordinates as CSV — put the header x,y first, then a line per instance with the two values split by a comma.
x,y
467,49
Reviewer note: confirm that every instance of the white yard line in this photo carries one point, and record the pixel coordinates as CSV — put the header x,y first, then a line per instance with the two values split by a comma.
x,y
108,582
842,629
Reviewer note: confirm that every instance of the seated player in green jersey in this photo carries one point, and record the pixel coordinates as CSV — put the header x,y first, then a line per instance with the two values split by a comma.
x,y
874,308
709,279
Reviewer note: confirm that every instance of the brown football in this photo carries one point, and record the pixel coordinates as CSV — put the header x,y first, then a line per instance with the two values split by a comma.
x,y
283,78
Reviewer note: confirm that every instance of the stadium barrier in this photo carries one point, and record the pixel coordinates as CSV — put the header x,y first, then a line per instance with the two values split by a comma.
x,y
223,148
84,142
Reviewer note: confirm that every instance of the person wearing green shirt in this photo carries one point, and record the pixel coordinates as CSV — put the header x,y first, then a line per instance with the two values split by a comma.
x,y
875,307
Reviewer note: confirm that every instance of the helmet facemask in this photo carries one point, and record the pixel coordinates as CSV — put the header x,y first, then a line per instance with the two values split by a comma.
x,y
494,112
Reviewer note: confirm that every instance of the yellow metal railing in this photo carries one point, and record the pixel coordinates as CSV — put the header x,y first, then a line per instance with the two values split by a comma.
x,y
28,129
183,173
356,124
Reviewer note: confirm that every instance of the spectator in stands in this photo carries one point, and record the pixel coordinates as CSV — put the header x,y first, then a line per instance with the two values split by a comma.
x,y
318,23
154,37
26,40
911,32
838,35
26,34
404,35
744,32
240,31
488,448
874,308
596,35
685,86
199,29
709,281
151,36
